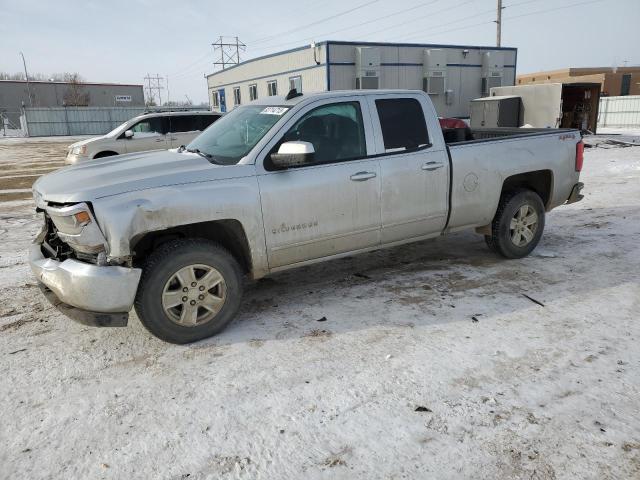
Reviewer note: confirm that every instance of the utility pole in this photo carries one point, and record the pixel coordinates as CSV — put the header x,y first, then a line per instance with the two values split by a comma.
x,y
26,76
499,24
168,89
229,51
154,84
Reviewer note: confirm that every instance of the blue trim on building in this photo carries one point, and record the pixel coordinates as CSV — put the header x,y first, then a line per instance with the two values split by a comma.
x,y
383,44
271,75
417,64
327,43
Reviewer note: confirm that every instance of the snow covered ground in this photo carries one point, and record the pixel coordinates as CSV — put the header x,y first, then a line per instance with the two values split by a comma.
x,y
423,361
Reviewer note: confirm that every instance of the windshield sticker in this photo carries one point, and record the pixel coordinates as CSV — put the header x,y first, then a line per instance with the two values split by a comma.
x,y
274,111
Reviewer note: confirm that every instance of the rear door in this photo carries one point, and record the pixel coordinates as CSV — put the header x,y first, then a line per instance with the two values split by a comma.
x,y
148,134
414,167
183,129
331,205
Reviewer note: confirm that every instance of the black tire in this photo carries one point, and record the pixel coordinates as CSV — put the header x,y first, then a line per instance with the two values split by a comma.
x,y
162,265
501,238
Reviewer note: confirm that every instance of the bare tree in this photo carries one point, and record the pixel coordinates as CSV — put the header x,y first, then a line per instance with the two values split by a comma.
x,y
75,96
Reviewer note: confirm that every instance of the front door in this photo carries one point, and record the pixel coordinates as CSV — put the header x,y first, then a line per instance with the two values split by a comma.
x,y
415,173
331,205
148,134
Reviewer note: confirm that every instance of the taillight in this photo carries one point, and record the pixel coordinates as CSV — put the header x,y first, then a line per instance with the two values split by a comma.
x,y
579,155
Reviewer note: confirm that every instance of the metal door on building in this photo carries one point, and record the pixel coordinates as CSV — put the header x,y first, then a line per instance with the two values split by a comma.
x,y
223,102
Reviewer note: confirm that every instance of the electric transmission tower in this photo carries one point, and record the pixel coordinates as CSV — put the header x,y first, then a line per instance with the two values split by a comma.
x,y
154,84
230,48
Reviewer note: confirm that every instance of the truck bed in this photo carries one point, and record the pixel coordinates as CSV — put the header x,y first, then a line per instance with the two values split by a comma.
x,y
483,134
480,166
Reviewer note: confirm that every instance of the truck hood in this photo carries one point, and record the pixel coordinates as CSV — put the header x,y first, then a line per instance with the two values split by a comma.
x,y
86,141
127,173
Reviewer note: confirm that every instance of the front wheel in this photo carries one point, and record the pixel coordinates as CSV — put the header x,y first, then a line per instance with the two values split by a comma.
x,y
518,224
190,289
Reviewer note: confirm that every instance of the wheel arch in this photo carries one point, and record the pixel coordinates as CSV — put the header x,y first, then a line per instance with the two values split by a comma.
x,y
539,181
105,153
229,233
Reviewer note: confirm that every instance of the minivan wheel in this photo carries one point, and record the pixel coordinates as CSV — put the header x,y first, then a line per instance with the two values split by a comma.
x,y
190,289
518,224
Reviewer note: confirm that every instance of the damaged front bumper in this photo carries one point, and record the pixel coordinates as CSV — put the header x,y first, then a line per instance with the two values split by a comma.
x,y
89,294
575,195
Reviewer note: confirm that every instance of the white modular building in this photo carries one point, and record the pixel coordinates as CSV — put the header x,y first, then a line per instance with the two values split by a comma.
x,y
452,75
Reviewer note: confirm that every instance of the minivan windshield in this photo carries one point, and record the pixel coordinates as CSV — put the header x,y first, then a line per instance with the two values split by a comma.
x,y
229,139
118,130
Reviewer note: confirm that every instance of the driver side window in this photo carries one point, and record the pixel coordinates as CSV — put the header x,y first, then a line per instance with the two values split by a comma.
x,y
336,132
150,125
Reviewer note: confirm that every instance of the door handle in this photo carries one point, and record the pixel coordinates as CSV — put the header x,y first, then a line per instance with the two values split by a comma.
x,y
173,138
362,176
159,139
431,166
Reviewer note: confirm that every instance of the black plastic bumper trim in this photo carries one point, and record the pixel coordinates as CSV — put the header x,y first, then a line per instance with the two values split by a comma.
x,y
85,317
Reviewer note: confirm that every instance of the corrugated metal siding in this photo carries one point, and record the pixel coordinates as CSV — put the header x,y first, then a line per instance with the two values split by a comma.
x,y
404,69
44,122
619,112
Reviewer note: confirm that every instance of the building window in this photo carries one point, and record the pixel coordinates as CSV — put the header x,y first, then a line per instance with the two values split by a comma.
x,y
626,84
272,88
295,82
236,96
253,92
215,99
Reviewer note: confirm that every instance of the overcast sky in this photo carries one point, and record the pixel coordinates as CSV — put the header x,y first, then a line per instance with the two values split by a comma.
x,y
122,41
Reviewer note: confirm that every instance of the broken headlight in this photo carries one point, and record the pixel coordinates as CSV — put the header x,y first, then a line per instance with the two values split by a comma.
x,y
77,227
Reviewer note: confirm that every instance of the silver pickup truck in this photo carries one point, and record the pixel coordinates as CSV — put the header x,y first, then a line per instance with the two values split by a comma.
x,y
279,183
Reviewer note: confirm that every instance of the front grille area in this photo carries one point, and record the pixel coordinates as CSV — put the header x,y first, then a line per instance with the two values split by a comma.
x,y
54,247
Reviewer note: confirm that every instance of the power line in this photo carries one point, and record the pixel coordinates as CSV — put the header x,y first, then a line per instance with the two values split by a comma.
x,y
521,16
331,17
457,6
371,21
421,32
229,52
361,24
499,24
554,9
199,60
154,84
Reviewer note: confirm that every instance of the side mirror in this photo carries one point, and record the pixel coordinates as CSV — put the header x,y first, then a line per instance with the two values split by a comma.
x,y
128,134
293,154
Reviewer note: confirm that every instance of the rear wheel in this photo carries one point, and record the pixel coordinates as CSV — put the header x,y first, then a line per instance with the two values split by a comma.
x,y
518,224
190,290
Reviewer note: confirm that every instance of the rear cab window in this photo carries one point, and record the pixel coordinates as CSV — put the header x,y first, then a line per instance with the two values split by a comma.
x,y
403,124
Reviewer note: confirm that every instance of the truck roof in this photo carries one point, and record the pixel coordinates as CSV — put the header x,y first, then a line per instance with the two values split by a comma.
x,y
281,99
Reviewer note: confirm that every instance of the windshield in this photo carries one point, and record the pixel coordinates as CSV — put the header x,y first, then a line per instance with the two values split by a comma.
x,y
118,130
229,139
